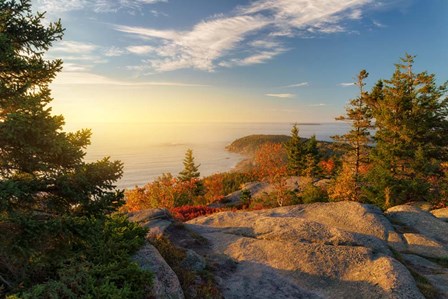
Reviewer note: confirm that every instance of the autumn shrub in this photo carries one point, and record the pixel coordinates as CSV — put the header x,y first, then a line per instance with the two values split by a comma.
x,y
187,213
165,192
221,184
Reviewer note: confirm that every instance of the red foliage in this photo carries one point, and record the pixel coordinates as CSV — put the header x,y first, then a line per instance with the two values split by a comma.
x,y
186,213
327,166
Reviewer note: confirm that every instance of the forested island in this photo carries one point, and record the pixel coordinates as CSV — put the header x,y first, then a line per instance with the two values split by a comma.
x,y
363,216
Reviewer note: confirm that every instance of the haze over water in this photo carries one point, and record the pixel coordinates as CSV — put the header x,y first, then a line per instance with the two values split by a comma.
x,y
148,150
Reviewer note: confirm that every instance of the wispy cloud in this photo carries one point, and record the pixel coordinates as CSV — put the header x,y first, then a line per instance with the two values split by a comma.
x,y
257,58
74,47
74,67
140,50
114,52
301,84
317,105
252,34
202,46
99,6
347,84
378,24
86,78
280,95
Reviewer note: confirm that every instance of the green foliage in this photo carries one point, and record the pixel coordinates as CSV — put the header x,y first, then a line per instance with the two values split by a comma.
x,y
359,115
303,154
246,197
54,207
191,170
294,148
95,262
313,193
411,119
232,181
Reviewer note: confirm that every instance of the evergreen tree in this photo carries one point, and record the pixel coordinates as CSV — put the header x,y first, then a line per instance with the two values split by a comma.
x,y
310,157
191,170
53,205
295,152
358,115
411,112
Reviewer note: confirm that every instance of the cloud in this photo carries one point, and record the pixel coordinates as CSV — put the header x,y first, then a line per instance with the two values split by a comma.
x,y
301,84
280,95
73,47
140,50
293,15
317,105
251,34
113,52
200,47
378,24
98,6
257,58
157,13
85,78
348,84
73,67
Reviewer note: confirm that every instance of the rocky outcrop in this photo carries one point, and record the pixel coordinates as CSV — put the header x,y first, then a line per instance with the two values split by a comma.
x,y
155,220
332,250
425,251
166,285
321,250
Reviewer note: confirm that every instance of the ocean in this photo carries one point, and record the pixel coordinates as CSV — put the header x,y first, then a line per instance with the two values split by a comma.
x,y
149,150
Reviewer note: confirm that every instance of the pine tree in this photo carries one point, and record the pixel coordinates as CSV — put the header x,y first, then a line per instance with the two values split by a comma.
x,y
191,170
358,115
52,203
310,157
295,152
411,112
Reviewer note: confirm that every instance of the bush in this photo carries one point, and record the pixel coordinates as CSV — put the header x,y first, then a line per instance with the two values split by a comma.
x,y
186,213
313,193
96,264
221,184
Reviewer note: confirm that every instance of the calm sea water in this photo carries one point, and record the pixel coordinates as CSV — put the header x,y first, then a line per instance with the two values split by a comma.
x,y
148,150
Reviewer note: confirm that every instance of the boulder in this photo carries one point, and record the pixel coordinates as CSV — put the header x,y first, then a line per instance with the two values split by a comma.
x,y
442,214
193,261
322,250
166,285
434,273
424,246
420,221
156,220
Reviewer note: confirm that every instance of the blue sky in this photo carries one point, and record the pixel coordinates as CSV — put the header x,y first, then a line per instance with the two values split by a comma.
x,y
228,60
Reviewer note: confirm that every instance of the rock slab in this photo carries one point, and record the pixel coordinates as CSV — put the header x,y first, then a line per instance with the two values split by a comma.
x,y
322,250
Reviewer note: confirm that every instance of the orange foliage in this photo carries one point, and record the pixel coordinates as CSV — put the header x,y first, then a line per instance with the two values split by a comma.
x,y
327,166
165,192
214,186
270,161
271,166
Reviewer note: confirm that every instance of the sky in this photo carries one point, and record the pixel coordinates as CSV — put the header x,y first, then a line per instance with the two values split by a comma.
x,y
149,61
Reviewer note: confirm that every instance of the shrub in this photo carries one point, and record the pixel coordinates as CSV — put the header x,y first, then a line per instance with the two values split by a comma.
x,y
221,184
313,193
187,213
96,264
